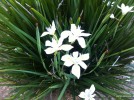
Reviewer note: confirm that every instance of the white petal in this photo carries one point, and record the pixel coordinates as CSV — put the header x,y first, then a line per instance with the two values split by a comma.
x,y
82,95
65,47
92,89
81,42
87,92
122,5
44,34
91,99
49,30
68,63
93,95
130,8
48,43
84,57
78,31
84,34
54,43
75,54
72,38
73,27
67,60
53,26
82,64
60,41
50,50
79,28
118,7
76,71
66,57
65,34
112,16
113,2
108,3
131,11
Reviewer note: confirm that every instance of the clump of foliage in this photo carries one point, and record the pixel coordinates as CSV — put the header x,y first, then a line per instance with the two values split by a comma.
x,y
34,74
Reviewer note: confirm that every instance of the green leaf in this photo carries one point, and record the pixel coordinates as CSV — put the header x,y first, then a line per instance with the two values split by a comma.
x,y
39,48
99,62
40,17
64,89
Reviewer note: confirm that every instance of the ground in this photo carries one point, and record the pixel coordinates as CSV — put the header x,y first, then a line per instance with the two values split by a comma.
x,y
4,92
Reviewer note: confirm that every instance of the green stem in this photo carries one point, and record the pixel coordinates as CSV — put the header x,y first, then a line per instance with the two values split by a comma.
x,y
64,89
118,25
55,61
73,93
55,37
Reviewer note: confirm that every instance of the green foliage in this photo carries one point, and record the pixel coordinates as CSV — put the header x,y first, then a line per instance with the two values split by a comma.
x,y
26,67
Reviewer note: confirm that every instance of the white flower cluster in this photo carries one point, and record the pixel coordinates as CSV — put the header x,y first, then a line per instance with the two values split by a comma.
x,y
109,3
124,10
76,59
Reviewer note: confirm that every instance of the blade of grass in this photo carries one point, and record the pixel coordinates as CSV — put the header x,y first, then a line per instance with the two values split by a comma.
x,y
64,89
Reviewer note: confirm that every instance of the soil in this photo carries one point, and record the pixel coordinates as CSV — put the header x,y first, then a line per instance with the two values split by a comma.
x,y
4,92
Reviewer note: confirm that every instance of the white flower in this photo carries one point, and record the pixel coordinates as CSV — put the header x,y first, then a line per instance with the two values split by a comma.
x,y
76,59
112,4
125,9
88,93
112,16
109,3
75,34
56,46
50,30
